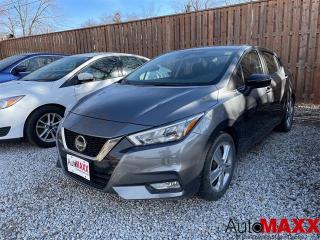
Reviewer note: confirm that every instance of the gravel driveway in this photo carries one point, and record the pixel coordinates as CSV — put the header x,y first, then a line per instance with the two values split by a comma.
x,y
278,178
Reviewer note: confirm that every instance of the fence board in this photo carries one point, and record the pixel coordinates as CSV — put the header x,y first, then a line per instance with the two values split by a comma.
x,y
290,27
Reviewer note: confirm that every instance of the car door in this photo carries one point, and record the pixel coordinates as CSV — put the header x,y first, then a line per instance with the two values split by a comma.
x,y
253,123
276,89
105,72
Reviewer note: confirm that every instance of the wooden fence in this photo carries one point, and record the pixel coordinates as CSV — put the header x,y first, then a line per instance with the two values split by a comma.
x,y
290,27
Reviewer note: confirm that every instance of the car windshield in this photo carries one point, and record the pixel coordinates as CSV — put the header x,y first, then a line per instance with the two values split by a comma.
x,y
4,63
192,67
56,70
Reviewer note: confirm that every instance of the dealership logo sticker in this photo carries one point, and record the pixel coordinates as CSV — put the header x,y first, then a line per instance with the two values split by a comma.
x,y
80,143
275,226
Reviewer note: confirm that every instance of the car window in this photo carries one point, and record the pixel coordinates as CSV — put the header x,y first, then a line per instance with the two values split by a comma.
x,y
4,63
271,61
57,57
56,70
251,64
106,68
129,64
35,63
193,67
237,79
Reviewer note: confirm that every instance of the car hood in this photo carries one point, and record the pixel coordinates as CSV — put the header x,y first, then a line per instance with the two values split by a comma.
x,y
146,105
14,88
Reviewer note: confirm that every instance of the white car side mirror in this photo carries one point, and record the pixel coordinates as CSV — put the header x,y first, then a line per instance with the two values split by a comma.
x,y
85,77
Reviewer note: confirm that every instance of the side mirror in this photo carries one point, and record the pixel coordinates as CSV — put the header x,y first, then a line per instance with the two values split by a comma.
x,y
85,77
258,81
19,69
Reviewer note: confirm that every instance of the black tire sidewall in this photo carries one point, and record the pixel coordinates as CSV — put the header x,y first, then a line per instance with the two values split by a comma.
x,y
283,126
206,190
30,126
288,127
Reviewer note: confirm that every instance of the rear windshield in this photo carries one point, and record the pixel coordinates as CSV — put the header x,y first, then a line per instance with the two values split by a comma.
x,y
4,63
56,70
193,67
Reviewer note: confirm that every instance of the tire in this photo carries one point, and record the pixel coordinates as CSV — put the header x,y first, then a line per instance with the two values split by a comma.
x,y
38,122
286,122
212,187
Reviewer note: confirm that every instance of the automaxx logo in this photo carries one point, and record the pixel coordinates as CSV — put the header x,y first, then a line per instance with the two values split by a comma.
x,y
275,226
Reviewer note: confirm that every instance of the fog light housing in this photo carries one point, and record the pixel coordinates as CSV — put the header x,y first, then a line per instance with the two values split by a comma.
x,y
172,185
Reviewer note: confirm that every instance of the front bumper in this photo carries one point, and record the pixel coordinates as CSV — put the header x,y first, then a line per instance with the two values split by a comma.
x,y
128,170
13,118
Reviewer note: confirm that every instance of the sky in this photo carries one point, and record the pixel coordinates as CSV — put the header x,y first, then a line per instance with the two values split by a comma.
x,y
76,12
73,13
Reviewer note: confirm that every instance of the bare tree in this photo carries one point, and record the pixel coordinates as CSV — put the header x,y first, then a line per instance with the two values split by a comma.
x,y
150,9
192,5
89,23
25,18
197,5
117,18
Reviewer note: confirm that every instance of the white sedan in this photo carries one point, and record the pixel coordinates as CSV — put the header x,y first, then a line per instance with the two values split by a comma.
x,y
34,106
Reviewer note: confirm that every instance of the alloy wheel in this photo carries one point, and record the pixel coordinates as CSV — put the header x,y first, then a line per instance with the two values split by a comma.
x,y
47,127
221,166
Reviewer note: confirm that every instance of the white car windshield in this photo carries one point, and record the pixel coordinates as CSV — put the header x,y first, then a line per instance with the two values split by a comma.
x,y
56,70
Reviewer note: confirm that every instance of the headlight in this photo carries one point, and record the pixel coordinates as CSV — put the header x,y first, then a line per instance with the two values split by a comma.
x,y
170,133
8,102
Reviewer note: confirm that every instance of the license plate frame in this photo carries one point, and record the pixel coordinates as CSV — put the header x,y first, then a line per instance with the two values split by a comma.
x,y
78,166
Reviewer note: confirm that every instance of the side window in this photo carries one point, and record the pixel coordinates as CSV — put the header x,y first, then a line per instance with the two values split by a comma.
x,y
129,64
271,61
251,64
55,58
237,79
106,68
35,63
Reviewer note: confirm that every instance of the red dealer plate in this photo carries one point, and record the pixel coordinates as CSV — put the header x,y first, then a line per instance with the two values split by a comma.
x,y
78,166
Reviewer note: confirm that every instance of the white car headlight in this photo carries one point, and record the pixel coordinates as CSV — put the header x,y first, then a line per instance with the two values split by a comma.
x,y
170,133
8,102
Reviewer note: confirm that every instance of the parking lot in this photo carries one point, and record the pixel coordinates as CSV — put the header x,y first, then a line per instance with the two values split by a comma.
x,y
278,178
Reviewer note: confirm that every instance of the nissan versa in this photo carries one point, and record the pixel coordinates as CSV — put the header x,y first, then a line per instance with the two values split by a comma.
x,y
174,126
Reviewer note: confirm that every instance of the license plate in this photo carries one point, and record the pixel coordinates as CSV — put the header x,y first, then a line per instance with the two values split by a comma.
x,y
78,166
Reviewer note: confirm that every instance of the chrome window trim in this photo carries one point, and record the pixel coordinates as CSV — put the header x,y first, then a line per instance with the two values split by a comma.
x,y
107,147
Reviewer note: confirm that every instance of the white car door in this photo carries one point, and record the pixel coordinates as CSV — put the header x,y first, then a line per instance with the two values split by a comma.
x,y
105,71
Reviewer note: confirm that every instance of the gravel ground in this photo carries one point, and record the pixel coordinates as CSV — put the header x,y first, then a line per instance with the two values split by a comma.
x,y
278,178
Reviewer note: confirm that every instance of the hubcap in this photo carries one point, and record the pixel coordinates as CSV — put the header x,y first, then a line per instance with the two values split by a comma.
x,y
221,166
47,126
289,111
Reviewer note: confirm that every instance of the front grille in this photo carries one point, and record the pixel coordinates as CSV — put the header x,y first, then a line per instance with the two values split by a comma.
x,y
4,131
100,172
94,144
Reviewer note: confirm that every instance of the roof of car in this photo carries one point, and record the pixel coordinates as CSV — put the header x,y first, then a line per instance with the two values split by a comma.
x,y
226,47
42,53
95,54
